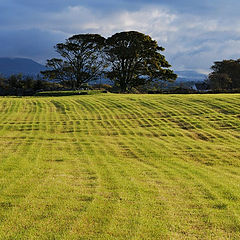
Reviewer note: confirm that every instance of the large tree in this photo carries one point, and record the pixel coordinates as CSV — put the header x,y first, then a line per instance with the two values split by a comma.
x,y
134,59
225,75
219,81
81,60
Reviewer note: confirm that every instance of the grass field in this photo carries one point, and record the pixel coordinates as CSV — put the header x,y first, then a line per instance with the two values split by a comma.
x,y
120,167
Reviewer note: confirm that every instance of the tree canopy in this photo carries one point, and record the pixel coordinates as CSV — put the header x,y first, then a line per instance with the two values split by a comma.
x,y
81,60
134,59
129,59
225,75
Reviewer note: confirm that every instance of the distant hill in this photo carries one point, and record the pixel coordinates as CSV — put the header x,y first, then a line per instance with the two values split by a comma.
x,y
183,76
188,76
9,66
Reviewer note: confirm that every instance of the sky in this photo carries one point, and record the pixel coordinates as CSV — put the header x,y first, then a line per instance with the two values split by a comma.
x,y
194,33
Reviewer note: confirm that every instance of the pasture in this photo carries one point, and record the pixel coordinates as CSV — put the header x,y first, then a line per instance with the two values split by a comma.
x,y
120,167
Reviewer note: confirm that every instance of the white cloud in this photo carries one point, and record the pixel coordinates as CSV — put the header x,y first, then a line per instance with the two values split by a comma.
x,y
78,18
191,41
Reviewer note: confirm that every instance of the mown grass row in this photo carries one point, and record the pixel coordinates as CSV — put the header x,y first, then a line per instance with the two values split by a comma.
x,y
120,167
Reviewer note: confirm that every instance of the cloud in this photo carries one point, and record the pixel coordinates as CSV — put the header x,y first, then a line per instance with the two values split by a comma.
x,y
33,43
75,19
194,33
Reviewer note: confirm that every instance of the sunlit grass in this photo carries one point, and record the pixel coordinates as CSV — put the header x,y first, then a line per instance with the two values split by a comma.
x,y
120,167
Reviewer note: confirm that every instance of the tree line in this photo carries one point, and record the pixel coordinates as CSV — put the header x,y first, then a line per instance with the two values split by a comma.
x,y
129,59
225,75
19,85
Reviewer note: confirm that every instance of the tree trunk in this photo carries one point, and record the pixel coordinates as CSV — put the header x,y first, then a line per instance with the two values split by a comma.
x,y
123,87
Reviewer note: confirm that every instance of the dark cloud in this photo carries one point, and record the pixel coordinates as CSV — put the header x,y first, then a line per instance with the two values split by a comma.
x,y
193,6
32,43
194,33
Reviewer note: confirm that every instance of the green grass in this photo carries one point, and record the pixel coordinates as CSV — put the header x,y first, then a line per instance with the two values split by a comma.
x,y
120,167
67,93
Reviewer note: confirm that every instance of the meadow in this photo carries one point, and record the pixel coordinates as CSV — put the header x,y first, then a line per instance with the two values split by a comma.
x,y
120,167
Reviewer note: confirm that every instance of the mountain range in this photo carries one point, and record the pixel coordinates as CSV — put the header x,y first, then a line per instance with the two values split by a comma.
x,y
9,66
190,76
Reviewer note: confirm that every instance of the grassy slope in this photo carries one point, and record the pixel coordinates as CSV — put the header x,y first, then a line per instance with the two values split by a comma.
x,y
120,167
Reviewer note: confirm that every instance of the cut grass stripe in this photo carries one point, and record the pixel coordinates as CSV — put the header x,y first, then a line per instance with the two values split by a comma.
x,y
120,167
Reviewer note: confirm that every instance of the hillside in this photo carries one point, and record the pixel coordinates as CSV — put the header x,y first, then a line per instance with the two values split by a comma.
x,y
9,66
188,76
120,167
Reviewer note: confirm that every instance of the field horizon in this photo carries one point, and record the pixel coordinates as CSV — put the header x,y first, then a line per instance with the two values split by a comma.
x,y
119,166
